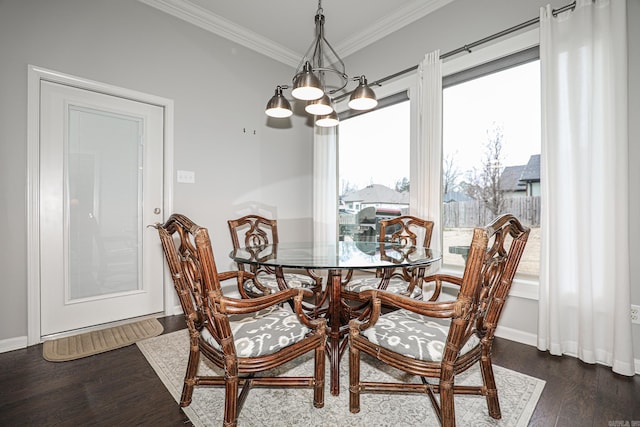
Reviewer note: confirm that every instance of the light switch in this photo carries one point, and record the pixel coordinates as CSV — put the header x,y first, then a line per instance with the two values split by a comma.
x,y
186,177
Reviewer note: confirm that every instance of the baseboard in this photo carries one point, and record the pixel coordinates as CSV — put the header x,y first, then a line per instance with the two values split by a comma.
x,y
177,309
517,335
11,344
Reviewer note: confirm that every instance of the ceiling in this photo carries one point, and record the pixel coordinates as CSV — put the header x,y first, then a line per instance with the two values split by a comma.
x,y
284,29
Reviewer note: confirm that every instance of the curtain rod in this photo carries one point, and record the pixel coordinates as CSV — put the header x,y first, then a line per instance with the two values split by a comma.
x,y
468,47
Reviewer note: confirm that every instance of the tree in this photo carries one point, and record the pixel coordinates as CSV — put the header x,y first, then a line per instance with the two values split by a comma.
x,y
484,182
348,188
402,185
450,174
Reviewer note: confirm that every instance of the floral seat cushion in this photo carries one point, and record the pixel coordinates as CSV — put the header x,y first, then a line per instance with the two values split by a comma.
x,y
395,285
263,332
414,335
269,281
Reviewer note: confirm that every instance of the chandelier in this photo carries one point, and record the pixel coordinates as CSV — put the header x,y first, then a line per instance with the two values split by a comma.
x,y
321,74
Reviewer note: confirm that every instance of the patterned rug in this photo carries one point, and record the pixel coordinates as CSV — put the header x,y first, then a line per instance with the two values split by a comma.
x,y
168,355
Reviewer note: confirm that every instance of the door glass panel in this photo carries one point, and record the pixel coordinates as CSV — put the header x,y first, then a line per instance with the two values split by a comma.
x,y
104,182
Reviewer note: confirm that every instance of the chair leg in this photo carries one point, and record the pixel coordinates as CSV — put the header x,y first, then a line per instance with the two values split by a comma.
x,y
231,402
493,405
354,380
447,404
190,376
318,393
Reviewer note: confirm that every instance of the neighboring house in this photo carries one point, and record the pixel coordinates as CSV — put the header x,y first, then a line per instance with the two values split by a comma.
x,y
377,196
510,183
531,176
522,180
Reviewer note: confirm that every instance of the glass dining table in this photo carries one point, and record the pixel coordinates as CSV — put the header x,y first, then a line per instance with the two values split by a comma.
x,y
338,259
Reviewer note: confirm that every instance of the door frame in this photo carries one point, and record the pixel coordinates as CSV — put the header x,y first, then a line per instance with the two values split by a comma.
x,y
35,76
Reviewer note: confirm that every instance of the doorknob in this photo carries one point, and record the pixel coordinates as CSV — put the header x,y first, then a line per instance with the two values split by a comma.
x,y
156,211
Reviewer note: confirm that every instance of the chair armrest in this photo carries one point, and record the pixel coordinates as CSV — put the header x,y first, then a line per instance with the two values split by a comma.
x,y
426,308
439,279
230,305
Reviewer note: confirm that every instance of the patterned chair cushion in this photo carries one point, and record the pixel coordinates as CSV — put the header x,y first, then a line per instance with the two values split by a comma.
x,y
395,285
270,282
263,332
413,335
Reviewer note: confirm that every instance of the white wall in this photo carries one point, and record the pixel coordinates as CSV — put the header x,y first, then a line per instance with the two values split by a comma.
x,y
465,21
219,88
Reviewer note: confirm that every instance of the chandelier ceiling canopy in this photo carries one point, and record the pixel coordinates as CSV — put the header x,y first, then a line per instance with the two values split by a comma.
x,y
320,74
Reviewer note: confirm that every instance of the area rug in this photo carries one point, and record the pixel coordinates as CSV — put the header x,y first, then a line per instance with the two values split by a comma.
x,y
168,356
90,343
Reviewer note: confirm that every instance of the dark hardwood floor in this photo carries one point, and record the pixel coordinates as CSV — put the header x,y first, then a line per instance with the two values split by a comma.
x,y
119,388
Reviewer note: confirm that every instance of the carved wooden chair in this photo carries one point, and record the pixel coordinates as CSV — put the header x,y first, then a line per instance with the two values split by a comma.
x,y
440,339
396,233
255,230
230,332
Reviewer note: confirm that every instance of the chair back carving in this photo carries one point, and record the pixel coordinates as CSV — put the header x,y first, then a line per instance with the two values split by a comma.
x,y
507,241
486,284
188,252
405,230
400,233
253,230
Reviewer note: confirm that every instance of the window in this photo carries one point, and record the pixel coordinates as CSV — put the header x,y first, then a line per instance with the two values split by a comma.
x,y
373,166
491,153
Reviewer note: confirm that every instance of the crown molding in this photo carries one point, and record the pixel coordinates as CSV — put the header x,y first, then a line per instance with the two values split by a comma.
x,y
223,27
216,24
389,24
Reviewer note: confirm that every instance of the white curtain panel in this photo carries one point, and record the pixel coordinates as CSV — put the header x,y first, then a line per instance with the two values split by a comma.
x,y
584,307
325,184
426,157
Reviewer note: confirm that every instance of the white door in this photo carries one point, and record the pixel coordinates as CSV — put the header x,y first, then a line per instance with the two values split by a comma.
x,y
101,160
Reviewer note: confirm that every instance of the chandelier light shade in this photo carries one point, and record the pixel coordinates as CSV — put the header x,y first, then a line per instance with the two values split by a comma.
x,y
320,107
306,86
320,75
278,106
363,97
328,120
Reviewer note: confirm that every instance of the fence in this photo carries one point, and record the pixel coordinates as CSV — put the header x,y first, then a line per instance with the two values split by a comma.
x,y
474,213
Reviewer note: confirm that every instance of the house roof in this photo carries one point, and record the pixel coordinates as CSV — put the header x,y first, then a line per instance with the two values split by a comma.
x,y
531,172
376,193
510,178
515,178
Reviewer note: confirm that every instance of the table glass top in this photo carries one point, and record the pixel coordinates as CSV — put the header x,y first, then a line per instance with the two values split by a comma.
x,y
335,255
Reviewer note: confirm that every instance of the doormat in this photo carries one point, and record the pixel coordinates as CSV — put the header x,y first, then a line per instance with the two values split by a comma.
x,y
90,343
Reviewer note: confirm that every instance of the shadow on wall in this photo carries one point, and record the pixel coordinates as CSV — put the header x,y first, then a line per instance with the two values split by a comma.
x,y
255,208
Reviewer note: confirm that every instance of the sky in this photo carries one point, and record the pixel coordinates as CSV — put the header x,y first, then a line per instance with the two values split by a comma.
x,y
510,99
374,147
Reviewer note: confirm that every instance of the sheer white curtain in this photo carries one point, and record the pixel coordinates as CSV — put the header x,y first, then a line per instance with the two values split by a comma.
x,y
325,184
584,279
426,155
